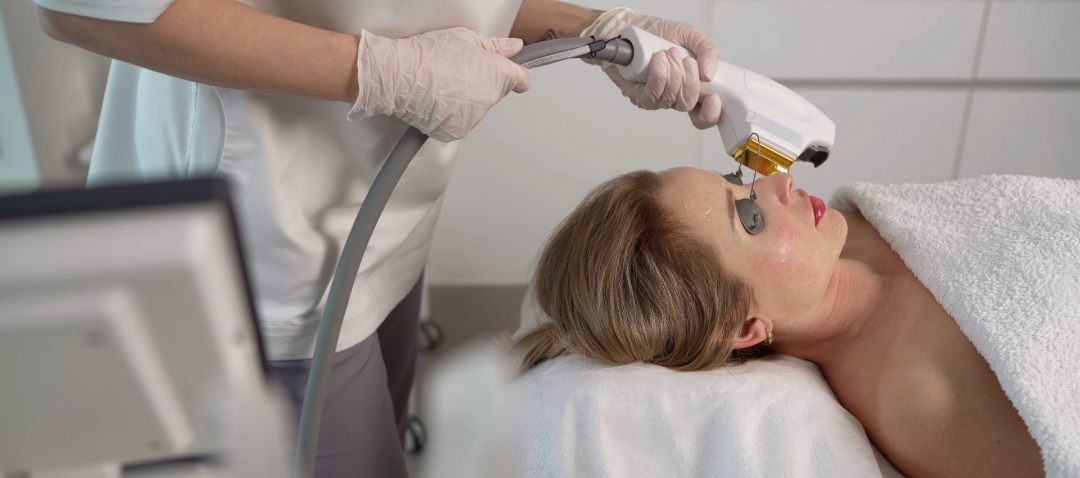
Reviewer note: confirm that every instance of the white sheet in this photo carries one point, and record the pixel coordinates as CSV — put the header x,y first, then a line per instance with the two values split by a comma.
x,y
766,418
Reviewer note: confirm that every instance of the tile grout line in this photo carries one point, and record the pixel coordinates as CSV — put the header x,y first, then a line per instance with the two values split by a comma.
x,y
847,83
966,120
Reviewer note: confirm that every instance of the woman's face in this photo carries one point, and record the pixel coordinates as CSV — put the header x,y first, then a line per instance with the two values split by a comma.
x,y
789,263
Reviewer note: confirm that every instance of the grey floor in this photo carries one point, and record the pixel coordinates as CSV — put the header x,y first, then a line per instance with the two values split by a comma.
x,y
465,312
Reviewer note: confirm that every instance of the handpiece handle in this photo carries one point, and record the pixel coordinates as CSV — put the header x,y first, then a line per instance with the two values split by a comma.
x,y
645,46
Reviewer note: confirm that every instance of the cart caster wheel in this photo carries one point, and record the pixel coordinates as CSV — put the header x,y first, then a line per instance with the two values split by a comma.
x,y
415,436
431,336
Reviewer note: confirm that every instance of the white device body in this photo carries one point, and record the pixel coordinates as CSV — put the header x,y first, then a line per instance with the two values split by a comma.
x,y
751,102
125,337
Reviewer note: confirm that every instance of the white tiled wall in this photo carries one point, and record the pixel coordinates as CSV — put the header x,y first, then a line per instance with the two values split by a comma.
x,y
1030,39
849,39
920,90
1023,132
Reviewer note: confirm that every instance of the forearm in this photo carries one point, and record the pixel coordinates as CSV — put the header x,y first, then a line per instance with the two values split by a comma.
x,y
223,43
540,20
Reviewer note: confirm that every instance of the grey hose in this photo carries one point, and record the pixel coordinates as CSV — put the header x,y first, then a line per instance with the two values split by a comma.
x,y
348,265
338,299
616,50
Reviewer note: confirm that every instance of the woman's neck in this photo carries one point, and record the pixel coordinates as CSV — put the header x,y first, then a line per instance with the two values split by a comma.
x,y
857,294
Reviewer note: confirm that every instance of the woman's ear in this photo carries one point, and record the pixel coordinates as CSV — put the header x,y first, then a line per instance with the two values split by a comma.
x,y
753,332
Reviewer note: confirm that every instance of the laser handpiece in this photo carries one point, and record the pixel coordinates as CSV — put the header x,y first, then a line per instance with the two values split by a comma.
x,y
759,114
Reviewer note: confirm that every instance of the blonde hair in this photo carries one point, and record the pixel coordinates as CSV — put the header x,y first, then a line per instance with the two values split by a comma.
x,y
623,281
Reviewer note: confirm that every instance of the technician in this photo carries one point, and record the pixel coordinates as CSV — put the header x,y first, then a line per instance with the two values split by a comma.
x,y
261,92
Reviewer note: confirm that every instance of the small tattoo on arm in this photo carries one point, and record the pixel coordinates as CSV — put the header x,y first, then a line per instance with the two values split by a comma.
x,y
548,35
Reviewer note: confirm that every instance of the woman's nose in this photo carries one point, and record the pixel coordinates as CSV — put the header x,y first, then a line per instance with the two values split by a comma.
x,y
782,183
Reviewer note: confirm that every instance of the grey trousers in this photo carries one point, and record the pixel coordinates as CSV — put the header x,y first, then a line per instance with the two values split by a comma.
x,y
366,408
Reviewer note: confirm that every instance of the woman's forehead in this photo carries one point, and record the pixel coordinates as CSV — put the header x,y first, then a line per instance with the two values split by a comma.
x,y
701,198
692,185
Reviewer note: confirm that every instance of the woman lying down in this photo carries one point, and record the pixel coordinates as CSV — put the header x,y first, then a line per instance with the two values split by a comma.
x,y
658,268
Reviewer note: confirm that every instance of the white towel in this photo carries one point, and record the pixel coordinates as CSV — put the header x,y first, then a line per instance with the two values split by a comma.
x,y
578,417
1002,255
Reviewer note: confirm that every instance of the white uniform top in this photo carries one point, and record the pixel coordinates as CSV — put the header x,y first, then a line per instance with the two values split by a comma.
x,y
299,170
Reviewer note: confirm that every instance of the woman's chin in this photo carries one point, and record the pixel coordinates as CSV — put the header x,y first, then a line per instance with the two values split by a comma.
x,y
834,224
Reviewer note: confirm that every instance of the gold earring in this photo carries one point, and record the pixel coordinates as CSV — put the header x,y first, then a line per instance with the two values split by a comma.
x,y
768,338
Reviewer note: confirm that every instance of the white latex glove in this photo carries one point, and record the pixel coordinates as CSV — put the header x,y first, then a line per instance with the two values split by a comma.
x,y
442,82
673,83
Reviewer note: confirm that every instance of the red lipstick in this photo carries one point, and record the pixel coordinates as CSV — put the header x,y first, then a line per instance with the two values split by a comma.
x,y
819,209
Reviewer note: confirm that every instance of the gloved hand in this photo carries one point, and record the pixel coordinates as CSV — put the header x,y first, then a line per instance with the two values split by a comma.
x,y
442,82
673,83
